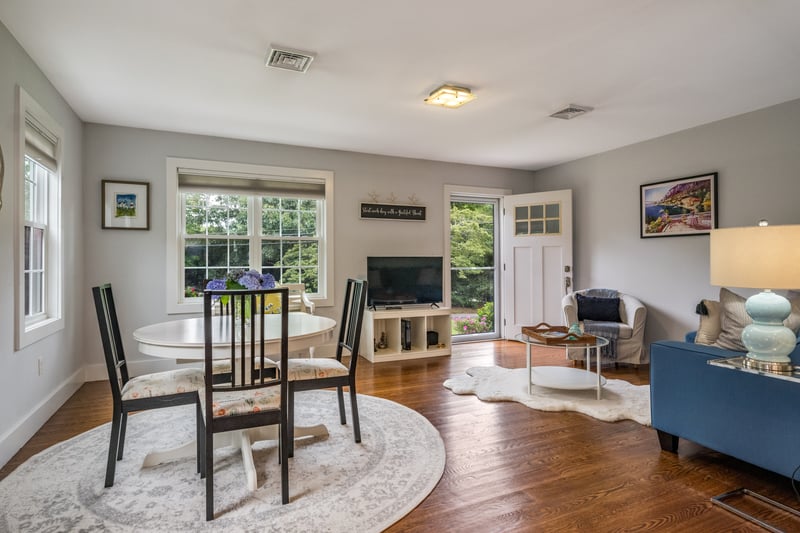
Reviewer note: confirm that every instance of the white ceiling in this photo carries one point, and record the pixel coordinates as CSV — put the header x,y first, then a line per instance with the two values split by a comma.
x,y
648,67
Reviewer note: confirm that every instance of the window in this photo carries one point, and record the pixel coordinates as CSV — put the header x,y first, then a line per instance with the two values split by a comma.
x,y
39,259
36,178
233,216
538,219
216,239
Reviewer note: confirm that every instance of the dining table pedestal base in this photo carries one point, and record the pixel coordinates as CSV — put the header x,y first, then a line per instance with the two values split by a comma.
x,y
240,439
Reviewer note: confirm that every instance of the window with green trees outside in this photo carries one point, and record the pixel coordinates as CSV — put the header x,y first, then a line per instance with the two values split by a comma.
x,y
228,232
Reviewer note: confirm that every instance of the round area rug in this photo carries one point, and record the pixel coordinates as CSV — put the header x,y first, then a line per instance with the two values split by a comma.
x,y
334,483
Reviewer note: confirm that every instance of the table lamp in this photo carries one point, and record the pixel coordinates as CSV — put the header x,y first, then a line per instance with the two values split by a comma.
x,y
758,257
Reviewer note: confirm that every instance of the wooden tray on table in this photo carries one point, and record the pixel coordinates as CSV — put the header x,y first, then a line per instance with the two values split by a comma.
x,y
547,334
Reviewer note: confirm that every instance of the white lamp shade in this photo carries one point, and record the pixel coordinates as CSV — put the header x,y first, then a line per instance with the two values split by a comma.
x,y
756,257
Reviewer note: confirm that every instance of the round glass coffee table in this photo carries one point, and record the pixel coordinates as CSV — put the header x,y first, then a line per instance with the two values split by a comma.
x,y
564,377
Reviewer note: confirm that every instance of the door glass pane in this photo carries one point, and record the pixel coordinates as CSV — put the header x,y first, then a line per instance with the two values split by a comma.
x,y
472,266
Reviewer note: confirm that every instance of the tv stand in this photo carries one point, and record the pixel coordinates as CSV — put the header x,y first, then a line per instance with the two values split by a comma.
x,y
390,322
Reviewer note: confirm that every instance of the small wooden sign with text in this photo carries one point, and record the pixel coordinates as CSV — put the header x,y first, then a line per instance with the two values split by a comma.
x,y
392,212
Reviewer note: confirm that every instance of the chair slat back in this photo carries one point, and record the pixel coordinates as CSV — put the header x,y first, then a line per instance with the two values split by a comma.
x,y
246,346
352,318
111,338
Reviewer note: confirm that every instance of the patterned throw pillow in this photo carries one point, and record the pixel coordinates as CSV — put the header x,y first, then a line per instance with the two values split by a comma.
x,y
734,319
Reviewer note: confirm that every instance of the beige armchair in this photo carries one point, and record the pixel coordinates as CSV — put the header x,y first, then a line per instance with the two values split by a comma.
x,y
298,299
630,344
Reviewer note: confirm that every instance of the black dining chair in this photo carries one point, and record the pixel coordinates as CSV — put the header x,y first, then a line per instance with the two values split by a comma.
x,y
140,393
249,399
325,372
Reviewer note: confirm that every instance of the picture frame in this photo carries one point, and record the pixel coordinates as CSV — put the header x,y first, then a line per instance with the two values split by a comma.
x,y
678,207
126,204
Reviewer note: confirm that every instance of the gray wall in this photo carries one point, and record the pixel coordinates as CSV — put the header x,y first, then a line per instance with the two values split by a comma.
x,y
757,156
133,261
29,399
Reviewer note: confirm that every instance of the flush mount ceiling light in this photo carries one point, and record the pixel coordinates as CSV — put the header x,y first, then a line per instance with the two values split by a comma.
x,y
571,111
289,59
450,96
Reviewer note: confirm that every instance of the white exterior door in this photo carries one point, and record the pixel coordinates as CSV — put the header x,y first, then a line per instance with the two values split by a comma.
x,y
537,258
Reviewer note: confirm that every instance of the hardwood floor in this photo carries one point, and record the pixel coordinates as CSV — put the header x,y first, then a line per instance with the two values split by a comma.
x,y
511,468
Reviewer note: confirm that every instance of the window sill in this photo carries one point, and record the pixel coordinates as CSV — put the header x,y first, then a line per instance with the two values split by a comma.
x,y
37,331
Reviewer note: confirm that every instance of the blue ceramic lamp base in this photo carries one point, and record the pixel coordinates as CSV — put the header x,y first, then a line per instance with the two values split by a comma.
x,y
767,340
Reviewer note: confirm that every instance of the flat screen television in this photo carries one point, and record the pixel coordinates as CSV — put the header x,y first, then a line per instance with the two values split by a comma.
x,y
398,281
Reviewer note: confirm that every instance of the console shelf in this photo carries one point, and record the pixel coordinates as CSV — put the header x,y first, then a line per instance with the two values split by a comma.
x,y
390,321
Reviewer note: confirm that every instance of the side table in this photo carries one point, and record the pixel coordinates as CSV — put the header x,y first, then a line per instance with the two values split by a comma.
x,y
737,364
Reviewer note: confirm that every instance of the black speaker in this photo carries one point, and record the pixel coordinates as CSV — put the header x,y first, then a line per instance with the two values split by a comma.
x,y
405,334
433,338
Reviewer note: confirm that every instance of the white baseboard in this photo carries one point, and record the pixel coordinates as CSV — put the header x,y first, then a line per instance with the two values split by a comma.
x,y
15,438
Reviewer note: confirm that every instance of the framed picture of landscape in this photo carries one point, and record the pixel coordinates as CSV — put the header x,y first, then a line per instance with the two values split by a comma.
x,y
679,207
126,204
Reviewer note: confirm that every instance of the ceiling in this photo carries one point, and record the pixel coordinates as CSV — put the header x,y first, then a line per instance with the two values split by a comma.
x,y
648,67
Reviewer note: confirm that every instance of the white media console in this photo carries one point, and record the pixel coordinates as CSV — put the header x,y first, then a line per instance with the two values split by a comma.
x,y
391,323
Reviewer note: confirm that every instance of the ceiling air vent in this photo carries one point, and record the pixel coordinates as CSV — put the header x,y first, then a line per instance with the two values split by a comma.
x,y
288,59
571,111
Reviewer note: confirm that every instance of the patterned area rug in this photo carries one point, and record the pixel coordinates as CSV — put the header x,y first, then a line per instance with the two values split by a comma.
x,y
334,483
620,400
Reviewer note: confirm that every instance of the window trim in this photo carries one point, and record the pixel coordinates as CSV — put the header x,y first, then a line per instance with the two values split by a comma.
x,y
29,331
175,165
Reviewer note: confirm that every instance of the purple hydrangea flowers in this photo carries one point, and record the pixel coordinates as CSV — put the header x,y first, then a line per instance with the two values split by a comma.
x,y
216,285
242,279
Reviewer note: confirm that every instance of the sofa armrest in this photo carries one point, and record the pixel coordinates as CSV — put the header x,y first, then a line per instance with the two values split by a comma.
x,y
570,307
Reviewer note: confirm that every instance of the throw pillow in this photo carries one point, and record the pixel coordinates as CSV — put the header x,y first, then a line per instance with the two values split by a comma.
x,y
599,309
710,323
734,319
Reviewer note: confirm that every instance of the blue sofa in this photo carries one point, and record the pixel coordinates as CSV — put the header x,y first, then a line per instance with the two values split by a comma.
x,y
748,416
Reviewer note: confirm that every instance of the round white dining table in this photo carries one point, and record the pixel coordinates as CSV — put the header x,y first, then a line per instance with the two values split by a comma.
x,y
184,340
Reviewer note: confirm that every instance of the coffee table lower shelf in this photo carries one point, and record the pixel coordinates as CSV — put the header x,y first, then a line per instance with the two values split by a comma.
x,y
566,378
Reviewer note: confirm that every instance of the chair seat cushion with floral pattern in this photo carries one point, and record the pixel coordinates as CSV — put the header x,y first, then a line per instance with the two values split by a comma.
x,y
300,369
242,402
163,383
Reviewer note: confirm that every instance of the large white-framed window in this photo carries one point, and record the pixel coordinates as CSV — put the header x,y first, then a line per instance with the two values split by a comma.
x,y
223,216
39,258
